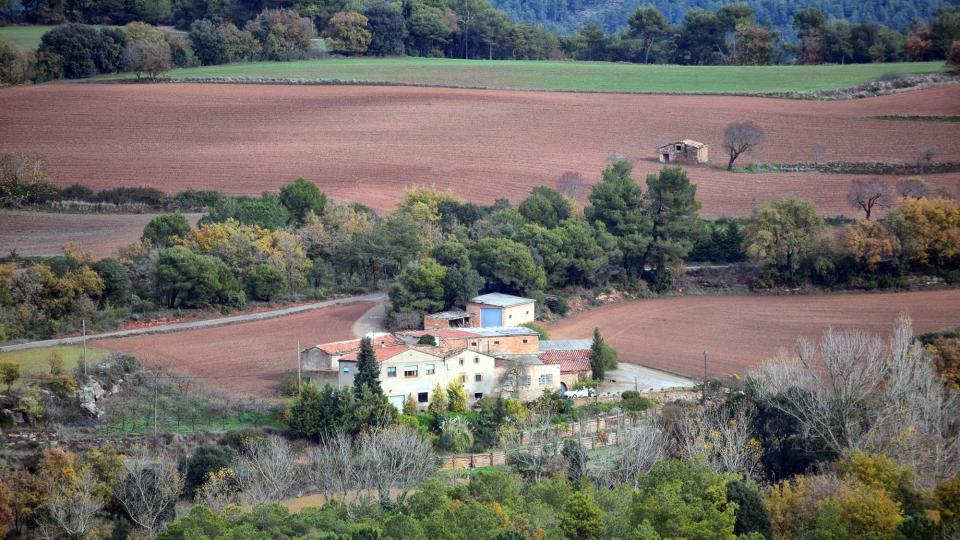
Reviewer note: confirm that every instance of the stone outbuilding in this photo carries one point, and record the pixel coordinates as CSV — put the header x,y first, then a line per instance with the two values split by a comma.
x,y
685,151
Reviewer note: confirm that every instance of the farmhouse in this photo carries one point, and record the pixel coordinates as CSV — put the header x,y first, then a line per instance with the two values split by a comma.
x,y
487,359
496,309
685,151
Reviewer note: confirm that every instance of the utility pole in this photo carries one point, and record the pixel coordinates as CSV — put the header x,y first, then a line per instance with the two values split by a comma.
x,y
704,392
83,323
299,370
156,398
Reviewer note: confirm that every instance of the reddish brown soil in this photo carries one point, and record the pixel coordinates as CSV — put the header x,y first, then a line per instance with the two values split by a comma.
x,y
740,332
369,143
241,359
44,233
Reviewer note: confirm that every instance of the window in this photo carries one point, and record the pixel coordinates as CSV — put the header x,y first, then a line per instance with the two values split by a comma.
x,y
423,397
478,377
679,148
431,369
346,369
527,312
473,343
545,380
524,340
391,372
461,361
463,377
409,371
496,342
478,395
476,359
510,316
525,380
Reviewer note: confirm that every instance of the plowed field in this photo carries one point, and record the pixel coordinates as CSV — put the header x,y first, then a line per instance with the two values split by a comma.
x,y
368,144
242,359
740,332
44,233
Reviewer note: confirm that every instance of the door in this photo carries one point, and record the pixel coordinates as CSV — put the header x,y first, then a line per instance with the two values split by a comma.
x,y
666,158
397,401
491,317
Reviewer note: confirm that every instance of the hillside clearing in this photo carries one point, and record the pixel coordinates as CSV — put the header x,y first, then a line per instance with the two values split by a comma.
x,y
739,332
34,362
564,75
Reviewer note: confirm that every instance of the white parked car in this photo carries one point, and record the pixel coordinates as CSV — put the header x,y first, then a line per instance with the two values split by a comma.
x,y
581,393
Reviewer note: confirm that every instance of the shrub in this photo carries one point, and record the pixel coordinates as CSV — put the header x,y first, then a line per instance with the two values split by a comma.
x,y
455,435
539,329
348,33
77,192
282,33
953,56
61,385
128,195
23,180
264,282
150,57
13,64
162,229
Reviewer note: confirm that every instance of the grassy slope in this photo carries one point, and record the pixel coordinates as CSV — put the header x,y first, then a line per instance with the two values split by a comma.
x,y
587,76
24,37
33,362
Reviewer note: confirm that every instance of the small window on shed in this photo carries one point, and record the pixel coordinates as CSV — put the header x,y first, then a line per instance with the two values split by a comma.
x,y
478,395
679,148
524,340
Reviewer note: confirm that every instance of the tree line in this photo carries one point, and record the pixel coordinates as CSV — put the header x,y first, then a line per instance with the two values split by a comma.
x,y
436,251
224,33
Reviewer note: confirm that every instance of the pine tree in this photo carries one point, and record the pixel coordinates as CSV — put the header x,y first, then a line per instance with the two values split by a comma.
x,y
438,400
581,518
457,396
368,371
410,406
596,356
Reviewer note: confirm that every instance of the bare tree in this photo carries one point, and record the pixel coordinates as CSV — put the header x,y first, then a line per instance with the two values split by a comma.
x,y
925,154
913,187
334,468
395,458
572,185
71,506
641,447
150,57
513,377
739,138
148,488
534,447
267,471
867,194
721,436
854,391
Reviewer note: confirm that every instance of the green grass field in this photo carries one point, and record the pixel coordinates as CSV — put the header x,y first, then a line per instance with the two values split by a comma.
x,y
582,76
33,362
24,37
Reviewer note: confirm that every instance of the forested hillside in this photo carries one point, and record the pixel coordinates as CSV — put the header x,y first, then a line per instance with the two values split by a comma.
x,y
570,15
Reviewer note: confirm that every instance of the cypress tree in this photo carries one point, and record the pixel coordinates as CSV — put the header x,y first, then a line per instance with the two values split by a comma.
x,y
596,356
368,371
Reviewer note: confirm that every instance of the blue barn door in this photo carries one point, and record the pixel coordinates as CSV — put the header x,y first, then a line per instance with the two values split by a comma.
x,y
491,317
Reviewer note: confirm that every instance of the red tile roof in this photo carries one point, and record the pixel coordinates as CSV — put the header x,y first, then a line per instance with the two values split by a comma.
x,y
340,347
382,353
575,361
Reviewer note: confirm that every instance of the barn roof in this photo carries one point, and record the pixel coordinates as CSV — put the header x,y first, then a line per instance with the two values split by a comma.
x,y
571,361
448,315
687,142
565,344
501,300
